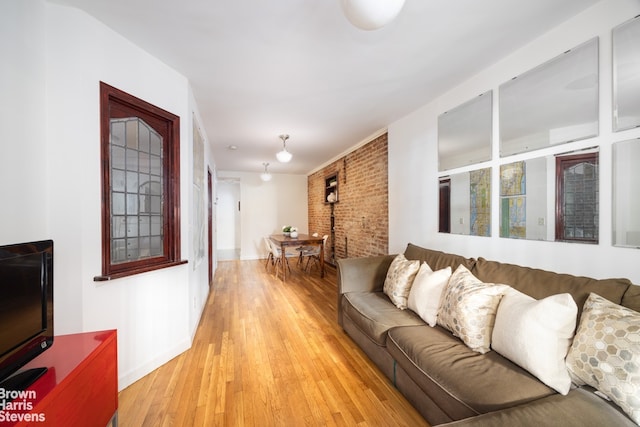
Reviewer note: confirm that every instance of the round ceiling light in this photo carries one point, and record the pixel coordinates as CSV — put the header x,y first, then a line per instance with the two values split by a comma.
x,y
284,156
265,176
371,14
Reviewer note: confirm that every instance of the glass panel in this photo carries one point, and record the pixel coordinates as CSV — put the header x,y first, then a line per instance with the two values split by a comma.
x,y
155,142
132,204
132,160
470,202
156,204
117,157
117,180
117,133
118,251
626,203
132,133
132,249
132,182
145,249
464,133
626,75
144,162
117,204
142,195
118,228
552,104
132,226
156,246
156,225
145,225
156,166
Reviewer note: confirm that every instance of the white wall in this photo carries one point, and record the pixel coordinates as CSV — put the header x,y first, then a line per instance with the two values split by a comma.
x,y
23,158
413,161
267,206
53,60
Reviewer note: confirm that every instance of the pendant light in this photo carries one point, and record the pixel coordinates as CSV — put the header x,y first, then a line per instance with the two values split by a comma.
x,y
371,14
265,176
284,156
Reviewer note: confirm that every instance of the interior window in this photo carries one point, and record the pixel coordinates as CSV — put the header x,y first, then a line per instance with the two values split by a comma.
x,y
577,198
140,185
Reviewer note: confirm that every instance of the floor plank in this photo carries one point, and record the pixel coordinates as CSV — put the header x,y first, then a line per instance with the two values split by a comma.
x,y
267,353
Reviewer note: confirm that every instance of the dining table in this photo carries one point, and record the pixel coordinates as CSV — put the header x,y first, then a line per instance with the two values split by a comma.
x,y
285,241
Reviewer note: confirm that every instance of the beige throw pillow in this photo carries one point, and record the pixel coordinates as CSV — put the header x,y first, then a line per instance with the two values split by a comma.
x,y
536,335
399,279
424,296
468,308
605,353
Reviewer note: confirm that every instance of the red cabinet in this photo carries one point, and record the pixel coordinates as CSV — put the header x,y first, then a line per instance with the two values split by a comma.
x,y
80,387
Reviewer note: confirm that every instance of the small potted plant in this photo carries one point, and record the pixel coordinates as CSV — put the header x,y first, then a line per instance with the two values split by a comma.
x,y
290,231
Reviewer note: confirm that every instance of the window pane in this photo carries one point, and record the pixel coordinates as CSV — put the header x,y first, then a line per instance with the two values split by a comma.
x,y
156,246
132,134
132,249
117,180
132,204
117,204
117,157
117,133
118,251
118,228
155,144
132,182
132,226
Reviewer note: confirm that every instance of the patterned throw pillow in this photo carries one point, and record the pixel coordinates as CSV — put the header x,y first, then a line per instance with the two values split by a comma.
x,y
468,308
605,353
399,279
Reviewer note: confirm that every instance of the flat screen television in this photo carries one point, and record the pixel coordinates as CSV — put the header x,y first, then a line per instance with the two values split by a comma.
x,y
26,310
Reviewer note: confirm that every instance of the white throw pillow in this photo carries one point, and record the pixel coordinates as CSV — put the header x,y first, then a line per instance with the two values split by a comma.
x,y
468,308
399,279
606,353
536,334
424,296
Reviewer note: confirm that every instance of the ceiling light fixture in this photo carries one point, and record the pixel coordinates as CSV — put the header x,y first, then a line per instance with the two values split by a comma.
x,y
265,176
371,14
284,156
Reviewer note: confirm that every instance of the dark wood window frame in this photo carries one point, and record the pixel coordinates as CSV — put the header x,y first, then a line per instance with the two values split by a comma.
x,y
115,103
563,163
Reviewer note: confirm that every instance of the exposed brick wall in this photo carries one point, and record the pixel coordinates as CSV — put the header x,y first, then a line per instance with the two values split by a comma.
x,y
361,213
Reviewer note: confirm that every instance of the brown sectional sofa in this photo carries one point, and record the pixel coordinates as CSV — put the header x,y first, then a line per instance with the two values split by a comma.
x,y
447,382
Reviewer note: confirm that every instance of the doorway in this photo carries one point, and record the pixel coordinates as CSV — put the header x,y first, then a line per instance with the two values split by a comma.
x,y
228,216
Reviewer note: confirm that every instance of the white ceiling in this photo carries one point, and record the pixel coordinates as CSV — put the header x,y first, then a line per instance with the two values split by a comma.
x,y
261,68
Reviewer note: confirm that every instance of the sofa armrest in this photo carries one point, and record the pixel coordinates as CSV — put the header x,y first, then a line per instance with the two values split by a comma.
x,y
365,274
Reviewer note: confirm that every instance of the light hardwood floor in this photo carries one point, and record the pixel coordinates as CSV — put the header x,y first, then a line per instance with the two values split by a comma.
x,y
267,353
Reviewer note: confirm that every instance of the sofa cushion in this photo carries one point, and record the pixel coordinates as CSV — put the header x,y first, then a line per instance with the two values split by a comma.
x,y
437,260
605,353
540,283
536,335
631,298
424,297
374,314
399,279
580,408
457,379
468,308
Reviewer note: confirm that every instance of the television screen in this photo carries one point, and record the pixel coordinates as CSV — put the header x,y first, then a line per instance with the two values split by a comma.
x,y
26,303
22,314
